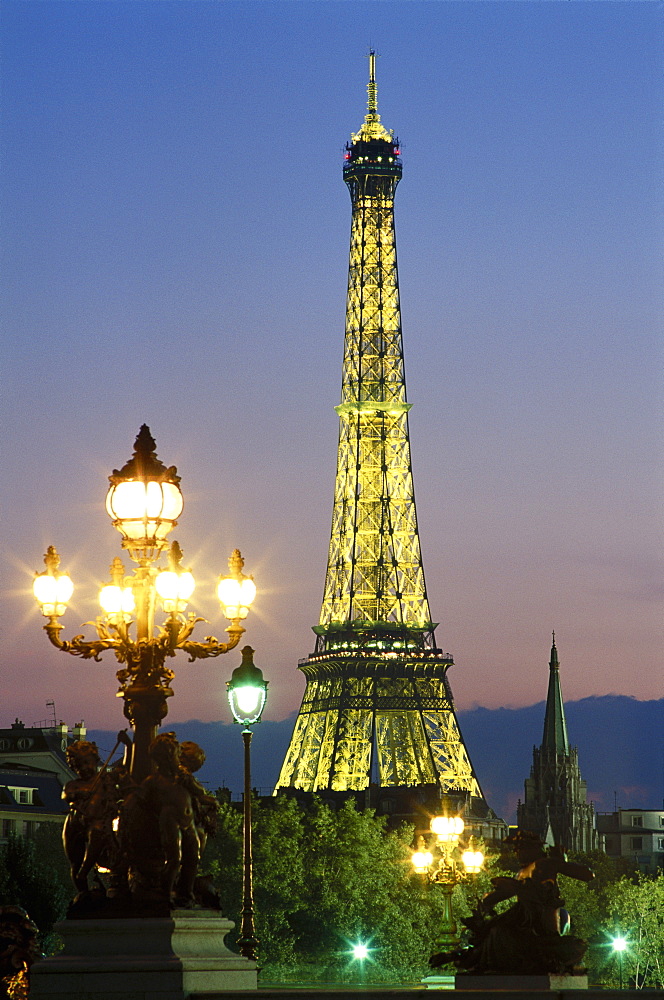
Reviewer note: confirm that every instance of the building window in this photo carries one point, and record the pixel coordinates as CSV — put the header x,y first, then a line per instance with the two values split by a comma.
x,y
7,827
636,843
637,820
24,796
608,843
661,843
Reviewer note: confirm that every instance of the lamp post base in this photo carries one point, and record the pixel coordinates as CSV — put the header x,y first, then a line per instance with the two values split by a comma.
x,y
165,958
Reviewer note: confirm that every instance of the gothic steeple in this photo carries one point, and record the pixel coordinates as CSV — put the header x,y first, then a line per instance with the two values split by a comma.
x,y
555,804
555,726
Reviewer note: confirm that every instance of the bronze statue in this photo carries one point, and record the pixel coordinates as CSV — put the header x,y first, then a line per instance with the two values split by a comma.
x,y
88,835
158,835
192,758
148,837
531,937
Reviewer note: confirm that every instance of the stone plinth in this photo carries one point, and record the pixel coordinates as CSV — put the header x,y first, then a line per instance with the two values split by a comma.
x,y
521,984
442,982
166,958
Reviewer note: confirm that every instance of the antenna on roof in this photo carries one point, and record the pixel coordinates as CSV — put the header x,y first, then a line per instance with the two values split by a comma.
x,y
51,704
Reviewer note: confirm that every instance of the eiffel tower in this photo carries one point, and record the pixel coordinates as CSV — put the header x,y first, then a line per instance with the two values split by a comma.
x,y
377,705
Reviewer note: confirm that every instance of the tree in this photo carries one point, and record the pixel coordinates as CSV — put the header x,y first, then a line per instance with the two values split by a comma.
x,y
618,902
636,912
324,881
29,877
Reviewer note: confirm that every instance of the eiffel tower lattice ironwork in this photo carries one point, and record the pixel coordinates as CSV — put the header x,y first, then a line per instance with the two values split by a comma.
x,y
377,700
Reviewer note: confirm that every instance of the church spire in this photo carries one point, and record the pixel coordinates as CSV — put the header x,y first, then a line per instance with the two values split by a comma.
x,y
555,727
556,797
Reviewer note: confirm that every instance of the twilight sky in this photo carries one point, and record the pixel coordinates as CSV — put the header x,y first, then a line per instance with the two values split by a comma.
x,y
175,234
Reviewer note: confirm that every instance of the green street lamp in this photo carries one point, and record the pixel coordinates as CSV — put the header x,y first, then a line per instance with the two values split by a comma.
x,y
247,692
619,945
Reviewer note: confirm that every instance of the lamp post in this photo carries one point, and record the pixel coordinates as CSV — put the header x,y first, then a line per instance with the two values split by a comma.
x,y
247,692
444,869
619,945
144,502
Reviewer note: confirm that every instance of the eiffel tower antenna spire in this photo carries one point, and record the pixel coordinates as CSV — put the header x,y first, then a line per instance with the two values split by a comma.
x,y
372,89
377,699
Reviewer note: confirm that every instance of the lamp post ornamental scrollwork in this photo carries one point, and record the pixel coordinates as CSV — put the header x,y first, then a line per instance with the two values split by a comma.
x,y
144,501
447,868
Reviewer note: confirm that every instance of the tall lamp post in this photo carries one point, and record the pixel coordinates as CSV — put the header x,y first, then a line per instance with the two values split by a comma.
x,y
144,502
443,868
247,693
619,945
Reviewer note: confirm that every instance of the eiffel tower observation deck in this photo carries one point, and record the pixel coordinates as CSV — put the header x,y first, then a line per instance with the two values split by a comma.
x,y
377,706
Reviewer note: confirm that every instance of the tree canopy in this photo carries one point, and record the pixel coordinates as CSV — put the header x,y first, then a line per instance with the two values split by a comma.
x,y
325,881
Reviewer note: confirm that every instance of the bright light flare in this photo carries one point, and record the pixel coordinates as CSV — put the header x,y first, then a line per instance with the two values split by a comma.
x,y
473,861
448,829
619,944
422,861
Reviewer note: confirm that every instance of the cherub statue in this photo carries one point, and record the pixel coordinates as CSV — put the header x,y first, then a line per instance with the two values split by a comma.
x,y
177,828
158,830
88,834
206,807
531,937
206,812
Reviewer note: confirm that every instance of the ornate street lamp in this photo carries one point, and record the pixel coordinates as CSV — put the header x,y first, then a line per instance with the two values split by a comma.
x,y
144,501
247,692
446,868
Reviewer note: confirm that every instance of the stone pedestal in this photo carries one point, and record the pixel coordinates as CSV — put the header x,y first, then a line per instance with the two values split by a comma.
x,y
520,984
442,982
166,958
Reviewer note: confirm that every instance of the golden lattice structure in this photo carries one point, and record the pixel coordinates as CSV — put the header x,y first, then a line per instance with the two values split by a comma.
x,y
377,705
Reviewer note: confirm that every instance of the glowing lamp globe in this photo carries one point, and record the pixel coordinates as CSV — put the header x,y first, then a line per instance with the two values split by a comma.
x,y
53,590
117,597
116,600
53,593
175,589
448,829
236,592
472,861
144,500
422,861
247,690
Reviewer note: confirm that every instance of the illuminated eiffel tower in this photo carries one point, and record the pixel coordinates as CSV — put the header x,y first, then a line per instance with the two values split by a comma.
x,y
377,705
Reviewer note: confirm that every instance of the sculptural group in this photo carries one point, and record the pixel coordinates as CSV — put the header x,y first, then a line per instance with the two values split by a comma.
x,y
146,838
531,937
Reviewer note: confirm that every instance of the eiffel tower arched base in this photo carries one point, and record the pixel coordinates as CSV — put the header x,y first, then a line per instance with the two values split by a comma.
x,y
377,716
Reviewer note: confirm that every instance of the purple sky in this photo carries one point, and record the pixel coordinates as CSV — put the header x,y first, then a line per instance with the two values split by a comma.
x,y
175,231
